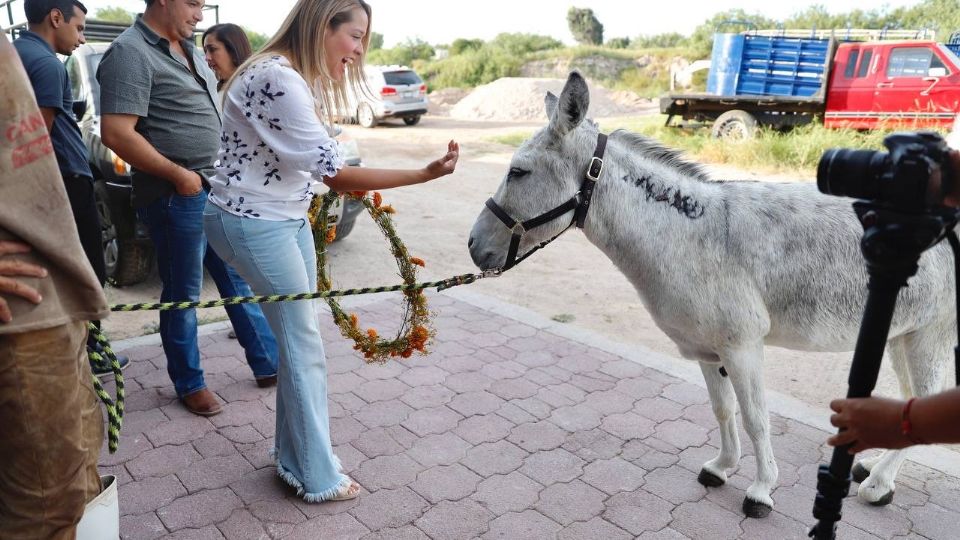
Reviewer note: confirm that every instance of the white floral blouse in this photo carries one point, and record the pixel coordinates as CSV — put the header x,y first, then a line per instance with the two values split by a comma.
x,y
273,147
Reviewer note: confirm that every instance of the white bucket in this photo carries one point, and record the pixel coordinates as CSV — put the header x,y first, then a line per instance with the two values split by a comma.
x,y
101,517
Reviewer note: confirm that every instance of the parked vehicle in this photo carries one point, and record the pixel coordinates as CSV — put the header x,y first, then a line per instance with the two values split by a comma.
x,y
398,92
781,81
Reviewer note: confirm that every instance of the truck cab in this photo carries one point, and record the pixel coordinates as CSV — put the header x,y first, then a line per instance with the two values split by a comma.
x,y
893,84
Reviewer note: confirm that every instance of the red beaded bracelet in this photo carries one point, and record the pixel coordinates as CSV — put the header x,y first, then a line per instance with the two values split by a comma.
x,y
906,427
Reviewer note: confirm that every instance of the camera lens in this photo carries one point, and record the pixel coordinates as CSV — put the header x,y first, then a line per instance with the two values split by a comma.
x,y
851,173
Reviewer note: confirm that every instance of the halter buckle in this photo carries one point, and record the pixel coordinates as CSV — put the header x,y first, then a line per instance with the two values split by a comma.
x,y
493,272
595,169
518,228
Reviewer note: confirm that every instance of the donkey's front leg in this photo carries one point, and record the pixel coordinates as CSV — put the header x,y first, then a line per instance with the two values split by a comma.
x,y
724,401
745,365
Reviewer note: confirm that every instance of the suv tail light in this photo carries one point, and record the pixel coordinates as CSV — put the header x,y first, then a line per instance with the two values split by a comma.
x,y
120,166
423,89
388,91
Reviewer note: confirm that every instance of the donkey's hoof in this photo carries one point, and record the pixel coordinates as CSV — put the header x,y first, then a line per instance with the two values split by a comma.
x,y
875,493
708,479
859,473
756,509
886,499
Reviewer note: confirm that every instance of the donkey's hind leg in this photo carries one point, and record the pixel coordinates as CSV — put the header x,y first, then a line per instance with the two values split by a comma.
x,y
724,401
745,367
920,360
897,355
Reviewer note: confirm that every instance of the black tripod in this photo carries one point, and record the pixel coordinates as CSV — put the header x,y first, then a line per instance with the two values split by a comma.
x,y
892,244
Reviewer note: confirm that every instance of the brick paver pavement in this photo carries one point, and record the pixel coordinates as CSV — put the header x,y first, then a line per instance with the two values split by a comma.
x,y
507,430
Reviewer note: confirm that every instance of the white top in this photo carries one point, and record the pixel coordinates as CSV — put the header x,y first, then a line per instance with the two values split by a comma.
x,y
273,148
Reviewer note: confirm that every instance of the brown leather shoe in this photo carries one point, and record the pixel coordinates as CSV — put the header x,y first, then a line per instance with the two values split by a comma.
x,y
267,382
202,402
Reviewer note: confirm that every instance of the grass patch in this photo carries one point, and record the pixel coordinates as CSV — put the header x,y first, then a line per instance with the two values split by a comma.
x,y
795,151
511,139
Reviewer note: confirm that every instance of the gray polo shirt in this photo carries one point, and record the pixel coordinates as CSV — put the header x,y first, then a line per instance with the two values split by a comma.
x,y
179,110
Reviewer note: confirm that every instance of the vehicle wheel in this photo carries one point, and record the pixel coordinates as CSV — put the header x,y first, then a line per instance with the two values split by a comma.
x,y
735,125
345,227
365,116
108,230
411,120
134,264
135,257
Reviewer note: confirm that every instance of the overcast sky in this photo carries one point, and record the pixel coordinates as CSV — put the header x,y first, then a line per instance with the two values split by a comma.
x,y
439,22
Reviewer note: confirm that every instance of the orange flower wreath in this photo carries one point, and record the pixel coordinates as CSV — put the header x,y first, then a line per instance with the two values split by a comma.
x,y
415,332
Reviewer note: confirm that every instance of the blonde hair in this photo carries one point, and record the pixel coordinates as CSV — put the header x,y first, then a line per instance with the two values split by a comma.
x,y
300,39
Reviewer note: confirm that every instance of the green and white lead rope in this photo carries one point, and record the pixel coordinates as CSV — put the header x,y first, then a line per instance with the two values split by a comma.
x,y
115,407
439,285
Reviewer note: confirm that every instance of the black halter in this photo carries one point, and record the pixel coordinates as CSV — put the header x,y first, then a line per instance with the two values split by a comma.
x,y
579,203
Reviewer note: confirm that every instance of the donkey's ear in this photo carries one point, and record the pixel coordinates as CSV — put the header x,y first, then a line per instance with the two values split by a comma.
x,y
551,104
571,108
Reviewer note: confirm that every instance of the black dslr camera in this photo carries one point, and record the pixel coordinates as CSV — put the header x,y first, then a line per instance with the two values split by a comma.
x,y
901,207
914,176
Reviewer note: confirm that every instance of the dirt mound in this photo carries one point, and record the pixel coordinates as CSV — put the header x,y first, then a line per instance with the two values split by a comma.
x,y
517,99
441,100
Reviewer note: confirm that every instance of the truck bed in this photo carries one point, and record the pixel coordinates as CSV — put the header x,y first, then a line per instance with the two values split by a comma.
x,y
703,105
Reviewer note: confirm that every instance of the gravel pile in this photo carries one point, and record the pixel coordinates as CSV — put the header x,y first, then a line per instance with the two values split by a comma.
x,y
517,99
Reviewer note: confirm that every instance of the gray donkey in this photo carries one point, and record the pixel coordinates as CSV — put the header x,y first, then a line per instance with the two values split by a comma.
x,y
723,268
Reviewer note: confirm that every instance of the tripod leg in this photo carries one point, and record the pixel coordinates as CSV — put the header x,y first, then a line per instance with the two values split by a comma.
x,y
724,402
745,366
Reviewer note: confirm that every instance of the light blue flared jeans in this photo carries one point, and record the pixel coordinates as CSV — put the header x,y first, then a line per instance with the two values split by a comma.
x,y
278,257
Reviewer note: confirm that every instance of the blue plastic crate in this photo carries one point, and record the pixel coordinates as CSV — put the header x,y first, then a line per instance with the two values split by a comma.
x,y
767,66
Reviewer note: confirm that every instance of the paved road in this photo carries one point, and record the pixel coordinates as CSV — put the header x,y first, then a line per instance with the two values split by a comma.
x,y
514,427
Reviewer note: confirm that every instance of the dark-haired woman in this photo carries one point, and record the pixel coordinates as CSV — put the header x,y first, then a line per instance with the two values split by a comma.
x,y
225,47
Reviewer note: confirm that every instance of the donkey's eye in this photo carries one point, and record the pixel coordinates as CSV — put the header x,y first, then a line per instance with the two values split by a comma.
x,y
516,172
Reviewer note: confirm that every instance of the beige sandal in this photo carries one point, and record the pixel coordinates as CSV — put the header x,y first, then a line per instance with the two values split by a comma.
x,y
347,493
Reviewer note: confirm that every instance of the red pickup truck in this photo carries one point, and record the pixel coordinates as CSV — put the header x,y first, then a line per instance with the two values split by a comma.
x,y
764,80
907,82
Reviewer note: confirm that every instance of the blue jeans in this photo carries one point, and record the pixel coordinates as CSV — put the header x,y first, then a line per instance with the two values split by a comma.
x,y
176,227
278,257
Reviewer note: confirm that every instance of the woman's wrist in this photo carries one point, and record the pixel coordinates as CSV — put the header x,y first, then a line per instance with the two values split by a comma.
x,y
423,175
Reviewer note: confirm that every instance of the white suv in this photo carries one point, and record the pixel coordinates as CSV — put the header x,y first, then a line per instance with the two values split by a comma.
x,y
398,92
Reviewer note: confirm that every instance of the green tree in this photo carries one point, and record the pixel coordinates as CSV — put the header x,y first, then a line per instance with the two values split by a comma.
x,y
403,54
376,41
942,15
114,14
818,17
257,40
461,45
701,41
584,26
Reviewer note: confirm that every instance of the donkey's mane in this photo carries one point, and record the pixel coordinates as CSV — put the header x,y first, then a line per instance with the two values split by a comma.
x,y
668,156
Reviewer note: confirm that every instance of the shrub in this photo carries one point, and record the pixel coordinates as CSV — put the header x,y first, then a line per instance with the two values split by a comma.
x,y
521,44
460,45
618,43
470,68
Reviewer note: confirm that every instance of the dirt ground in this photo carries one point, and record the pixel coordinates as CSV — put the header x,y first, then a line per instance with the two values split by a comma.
x,y
434,221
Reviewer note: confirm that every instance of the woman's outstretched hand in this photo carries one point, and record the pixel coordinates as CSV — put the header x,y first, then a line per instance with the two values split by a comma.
x,y
445,165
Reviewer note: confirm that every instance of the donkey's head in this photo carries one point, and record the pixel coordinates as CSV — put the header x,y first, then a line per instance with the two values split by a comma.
x,y
545,172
